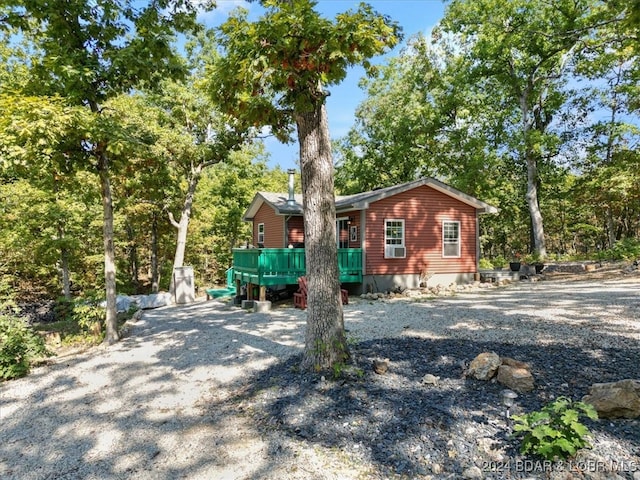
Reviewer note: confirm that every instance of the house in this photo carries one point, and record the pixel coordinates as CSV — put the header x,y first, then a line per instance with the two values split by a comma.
x,y
422,231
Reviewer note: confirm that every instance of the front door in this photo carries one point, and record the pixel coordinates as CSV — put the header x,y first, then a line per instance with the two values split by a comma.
x,y
342,232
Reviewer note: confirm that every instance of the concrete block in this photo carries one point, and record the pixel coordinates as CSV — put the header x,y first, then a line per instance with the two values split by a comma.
x,y
247,304
261,306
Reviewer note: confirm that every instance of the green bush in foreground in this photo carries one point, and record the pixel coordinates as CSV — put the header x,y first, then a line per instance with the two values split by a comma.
x,y
86,313
555,432
20,346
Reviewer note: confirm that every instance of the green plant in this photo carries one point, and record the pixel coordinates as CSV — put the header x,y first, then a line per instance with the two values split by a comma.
x,y
338,369
7,295
626,249
20,346
86,313
555,432
485,264
499,261
531,258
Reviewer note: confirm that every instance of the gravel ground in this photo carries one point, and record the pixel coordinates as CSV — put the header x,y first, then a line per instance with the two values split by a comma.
x,y
209,391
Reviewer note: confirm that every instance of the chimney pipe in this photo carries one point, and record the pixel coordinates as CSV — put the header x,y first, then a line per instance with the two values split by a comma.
x,y
291,200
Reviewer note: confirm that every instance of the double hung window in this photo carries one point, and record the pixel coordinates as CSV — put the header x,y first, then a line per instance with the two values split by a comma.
x,y
261,233
450,239
394,235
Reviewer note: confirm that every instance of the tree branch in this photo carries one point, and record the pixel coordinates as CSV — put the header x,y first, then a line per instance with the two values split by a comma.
x,y
173,220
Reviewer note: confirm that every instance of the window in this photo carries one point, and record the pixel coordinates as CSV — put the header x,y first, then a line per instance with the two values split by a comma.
x,y
451,239
342,232
261,233
394,239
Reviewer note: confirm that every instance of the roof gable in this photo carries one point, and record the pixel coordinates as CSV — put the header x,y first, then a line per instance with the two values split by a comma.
x,y
361,201
277,201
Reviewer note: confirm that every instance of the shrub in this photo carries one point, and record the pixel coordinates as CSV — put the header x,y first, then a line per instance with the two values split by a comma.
x,y
86,313
499,261
626,249
79,321
7,296
20,346
555,432
485,264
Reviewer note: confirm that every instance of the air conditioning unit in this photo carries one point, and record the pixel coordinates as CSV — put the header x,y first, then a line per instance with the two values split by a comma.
x,y
392,251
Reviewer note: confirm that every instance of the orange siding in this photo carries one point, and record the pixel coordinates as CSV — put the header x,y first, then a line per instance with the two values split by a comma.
x,y
423,210
273,227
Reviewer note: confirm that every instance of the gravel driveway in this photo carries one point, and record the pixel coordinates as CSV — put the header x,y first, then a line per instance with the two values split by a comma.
x,y
195,391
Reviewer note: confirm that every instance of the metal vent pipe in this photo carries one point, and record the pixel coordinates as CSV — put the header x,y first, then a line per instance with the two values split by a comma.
x,y
291,200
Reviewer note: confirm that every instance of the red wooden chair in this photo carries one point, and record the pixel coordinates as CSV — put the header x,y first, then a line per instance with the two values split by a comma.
x,y
345,296
300,297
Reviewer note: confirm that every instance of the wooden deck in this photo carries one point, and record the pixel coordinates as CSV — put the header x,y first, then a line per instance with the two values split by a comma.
x,y
282,266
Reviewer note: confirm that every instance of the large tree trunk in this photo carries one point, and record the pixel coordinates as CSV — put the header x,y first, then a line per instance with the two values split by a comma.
x,y
537,228
530,157
325,343
183,224
611,138
111,335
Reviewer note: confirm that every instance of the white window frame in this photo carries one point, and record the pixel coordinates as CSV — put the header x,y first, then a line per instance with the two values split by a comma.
x,y
446,242
387,239
260,233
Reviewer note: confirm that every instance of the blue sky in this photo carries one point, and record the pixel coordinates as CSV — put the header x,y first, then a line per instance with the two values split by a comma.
x,y
413,15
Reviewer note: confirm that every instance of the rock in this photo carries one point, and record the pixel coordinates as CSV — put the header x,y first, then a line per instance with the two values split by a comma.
x,y
380,366
486,445
429,379
514,363
518,379
50,337
472,472
615,399
484,366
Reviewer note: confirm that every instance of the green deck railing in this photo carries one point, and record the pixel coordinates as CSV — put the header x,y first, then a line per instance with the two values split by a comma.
x,y
283,266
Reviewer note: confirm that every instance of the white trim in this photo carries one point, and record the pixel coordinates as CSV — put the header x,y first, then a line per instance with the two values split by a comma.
x,y
395,250
258,233
458,242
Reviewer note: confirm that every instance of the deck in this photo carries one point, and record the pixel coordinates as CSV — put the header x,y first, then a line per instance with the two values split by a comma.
x,y
283,266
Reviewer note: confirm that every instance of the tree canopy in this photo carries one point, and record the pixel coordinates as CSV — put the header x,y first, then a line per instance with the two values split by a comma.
x,y
509,101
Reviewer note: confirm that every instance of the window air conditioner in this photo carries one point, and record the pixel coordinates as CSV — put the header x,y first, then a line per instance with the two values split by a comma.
x,y
393,251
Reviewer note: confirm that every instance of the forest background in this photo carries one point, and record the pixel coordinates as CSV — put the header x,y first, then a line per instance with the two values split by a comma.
x,y
529,106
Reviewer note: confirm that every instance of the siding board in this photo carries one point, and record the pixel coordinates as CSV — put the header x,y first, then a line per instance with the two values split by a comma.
x,y
273,227
423,209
